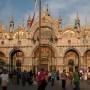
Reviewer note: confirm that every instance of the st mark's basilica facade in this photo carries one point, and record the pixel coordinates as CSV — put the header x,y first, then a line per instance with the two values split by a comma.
x,y
61,47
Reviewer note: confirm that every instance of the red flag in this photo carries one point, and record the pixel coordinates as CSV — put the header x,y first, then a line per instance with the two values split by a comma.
x,y
32,20
34,13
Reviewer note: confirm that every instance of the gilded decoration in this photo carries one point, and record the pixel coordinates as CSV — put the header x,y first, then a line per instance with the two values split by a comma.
x,y
69,33
19,34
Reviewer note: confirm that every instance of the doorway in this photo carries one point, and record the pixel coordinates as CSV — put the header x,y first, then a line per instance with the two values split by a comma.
x,y
16,61
44,67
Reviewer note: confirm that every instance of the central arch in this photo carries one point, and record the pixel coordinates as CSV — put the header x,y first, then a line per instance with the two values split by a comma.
x,y
47,58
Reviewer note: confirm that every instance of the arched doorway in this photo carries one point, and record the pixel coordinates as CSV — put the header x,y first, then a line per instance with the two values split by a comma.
x,y
18,65
87,60
44,63
71,59
2,60
17,59
71,64
47,58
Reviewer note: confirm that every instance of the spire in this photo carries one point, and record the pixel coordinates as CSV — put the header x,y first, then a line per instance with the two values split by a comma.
x,y
11,19
45,9
77,18
59,19
77,22
11,26
29,19
2,26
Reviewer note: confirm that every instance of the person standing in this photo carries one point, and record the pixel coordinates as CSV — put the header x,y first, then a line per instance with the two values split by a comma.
x,y
76,78
49,76
70,77
64,78
52,77
4,79
57,75
24,78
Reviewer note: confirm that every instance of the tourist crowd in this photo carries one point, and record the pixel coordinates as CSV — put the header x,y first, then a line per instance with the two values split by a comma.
x,y
42,78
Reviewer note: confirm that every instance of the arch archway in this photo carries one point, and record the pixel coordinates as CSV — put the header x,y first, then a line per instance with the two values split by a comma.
x,y
87,60
16,59
47,58
2,59
71,59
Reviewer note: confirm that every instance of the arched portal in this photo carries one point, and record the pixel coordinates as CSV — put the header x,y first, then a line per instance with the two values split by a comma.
x,y
2,59
17,59
87,60
71,59
47,58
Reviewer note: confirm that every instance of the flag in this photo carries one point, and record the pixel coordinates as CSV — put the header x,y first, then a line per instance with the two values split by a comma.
x,y
34,13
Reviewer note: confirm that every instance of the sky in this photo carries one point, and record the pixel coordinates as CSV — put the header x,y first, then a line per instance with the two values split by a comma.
x,y
20,9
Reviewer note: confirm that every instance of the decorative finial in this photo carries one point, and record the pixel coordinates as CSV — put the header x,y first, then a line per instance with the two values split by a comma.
x,y
29,19
11,19
77,18
45,9
59,18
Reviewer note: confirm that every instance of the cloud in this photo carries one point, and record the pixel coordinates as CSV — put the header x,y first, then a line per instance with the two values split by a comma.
x,y
69,8
6,10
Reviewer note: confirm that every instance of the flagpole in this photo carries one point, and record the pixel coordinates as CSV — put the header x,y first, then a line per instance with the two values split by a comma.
x,y
39,34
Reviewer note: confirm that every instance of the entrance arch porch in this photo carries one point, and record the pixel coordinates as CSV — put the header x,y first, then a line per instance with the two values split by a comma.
x,y
71,59
16,60
47,58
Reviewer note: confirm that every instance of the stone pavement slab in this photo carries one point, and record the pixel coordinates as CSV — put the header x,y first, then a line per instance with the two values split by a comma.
x,y
57,86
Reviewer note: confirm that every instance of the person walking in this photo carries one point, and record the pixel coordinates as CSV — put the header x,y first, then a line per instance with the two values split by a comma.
x,y
4,79
64,78
76,78
41,80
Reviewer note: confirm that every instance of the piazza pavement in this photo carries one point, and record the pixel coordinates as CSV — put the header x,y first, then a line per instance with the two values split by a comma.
x,y
85,85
